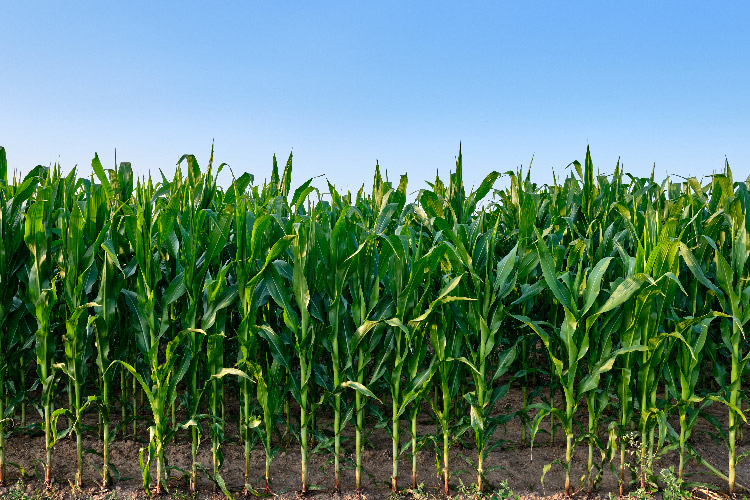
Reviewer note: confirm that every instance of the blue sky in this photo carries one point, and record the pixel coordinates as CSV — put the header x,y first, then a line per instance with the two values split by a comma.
x,y
345,83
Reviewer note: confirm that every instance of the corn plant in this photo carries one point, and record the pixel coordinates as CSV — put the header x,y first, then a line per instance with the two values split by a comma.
x,y
161,393
13,255
656,257
42,298
199,249
334,258
577,291
300,325
78,274
683,377
475,254
490,280
105,324
409,300
364,287
448,354
259,242
270,382
447,348
731,276
618,289
338,256
218,297
160,379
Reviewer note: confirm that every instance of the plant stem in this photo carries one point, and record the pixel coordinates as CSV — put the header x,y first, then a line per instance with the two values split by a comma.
x,y
70,401
193,391
159,466
446,431
622,461
269,422
22,368
552,417
105,431
288,417
2,430
123,412
105,468
360,420
214,410
414,448
194,460
303,422
79,438
568,456
592,430
336,416
135,409
524,382
733,399
446,445
683,427
480,391
396,432
48,442
480,471
569,407
245,431
643,457
268,473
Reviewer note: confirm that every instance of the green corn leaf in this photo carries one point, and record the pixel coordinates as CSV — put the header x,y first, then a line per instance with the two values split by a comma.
x,y
360,388
96,165
550,276
594,283
623,292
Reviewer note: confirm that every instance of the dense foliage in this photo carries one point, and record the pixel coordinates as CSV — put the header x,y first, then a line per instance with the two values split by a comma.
x,y
609,293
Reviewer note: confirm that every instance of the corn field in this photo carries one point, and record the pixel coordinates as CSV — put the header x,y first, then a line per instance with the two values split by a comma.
x,y
617,305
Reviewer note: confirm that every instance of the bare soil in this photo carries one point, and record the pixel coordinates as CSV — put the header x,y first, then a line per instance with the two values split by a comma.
x,y
511,461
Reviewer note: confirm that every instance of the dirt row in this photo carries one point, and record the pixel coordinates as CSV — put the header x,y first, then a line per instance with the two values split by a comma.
x,y
509,462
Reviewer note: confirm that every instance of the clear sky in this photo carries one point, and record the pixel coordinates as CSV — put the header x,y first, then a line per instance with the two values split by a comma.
x,y
345,83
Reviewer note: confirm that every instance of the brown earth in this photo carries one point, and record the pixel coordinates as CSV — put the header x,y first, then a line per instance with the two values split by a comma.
x,y
511,461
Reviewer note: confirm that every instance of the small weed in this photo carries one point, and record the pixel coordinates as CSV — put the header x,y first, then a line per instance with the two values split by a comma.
x,y
642,467
417,493
501,492
18,492
504,492
180,495
673,486
639,494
